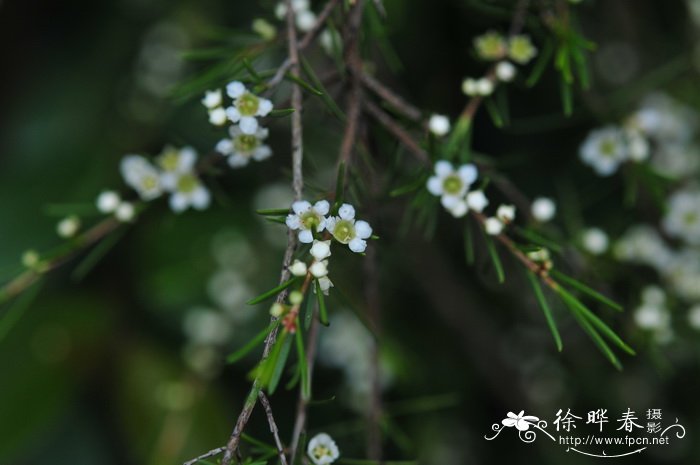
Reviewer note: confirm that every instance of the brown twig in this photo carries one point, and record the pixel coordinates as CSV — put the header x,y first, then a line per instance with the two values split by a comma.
x,y
389,96
264,401
211,453
398,131
372,296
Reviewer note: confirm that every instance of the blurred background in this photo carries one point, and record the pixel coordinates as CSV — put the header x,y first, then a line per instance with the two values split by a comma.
x,y
126,365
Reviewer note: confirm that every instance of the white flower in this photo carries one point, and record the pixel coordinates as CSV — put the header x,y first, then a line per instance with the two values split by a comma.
x,y
319,269
594,241
477,201
217,116
505,71
125,212
321,249
143,177
637,145
451,184
180,180
439,125
694,317
653,295
212,99
305,20
651,317
241,147
108,201
297,6
642,244
330,40
325,284
682,220
68,226
246,107
346,230
322,449
543,209
308,219
604,149
477,87
298,268
493,226
505,213
520,49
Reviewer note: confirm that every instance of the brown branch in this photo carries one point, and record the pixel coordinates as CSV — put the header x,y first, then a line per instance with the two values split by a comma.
x,y
211,453
398,131
374,432
273,427
389,96
303,402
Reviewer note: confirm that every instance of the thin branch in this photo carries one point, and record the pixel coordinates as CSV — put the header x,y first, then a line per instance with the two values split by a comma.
x,y
397,130
389,96
307,40
374,431
273,427
209,454
303,402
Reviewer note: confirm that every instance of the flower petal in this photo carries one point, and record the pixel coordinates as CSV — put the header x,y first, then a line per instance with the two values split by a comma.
x,y
443,168
346,211
363,229
306,236
357,245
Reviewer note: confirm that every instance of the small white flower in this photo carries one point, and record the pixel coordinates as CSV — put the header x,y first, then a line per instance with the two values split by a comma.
x,y
276,310
322,449
505,213
68,226
325,284
682,220
604,150
469,87
246,107
140,175
241,147
484,86
543,209
319,269
651,317
653,295
307,219
298,268
346,230
694,317
217,116
297,6
451,184
505,71
477,201
321,250
125,212
108,201
439,125
637,145
212,99
594,241
305,20
493,226
180,180
330,41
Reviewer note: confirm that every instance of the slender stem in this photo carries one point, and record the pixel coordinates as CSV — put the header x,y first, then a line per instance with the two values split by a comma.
x,y
372,296
395,100
211,453
273,427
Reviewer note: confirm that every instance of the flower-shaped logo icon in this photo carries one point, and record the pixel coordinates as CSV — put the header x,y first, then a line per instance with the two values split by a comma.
x,y
520,421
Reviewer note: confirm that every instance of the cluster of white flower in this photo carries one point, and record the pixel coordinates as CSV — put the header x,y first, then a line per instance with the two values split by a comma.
x,y
246,136
661,131
493,46
305,18
173,173
653,315
682,218
322,449
316,226
453,186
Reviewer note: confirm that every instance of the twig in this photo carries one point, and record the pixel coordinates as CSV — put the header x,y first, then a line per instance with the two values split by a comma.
x,y
354,61
307,40
409,111
303,402
211,453
398,131
297,186
374,432
273,427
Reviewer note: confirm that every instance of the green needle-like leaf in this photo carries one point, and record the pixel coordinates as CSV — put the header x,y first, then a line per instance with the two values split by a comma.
x,y
534,281
272,292
579,286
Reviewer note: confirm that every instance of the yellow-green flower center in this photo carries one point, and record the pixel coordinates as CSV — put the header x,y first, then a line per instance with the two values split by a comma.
x,y
245,143
187,183
310,220
690,218
452,184
321,451
521,49
491,46
169,161
248,104
344,231
149,182
607,148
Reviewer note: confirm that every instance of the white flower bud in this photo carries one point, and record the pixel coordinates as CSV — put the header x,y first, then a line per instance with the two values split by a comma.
x,y
30,258
477,201
506,213
108,201
217,116
298,268
212,99
321,249
484,87
68,227
505,71
439,125
594,241
543,209
276,310
125,212
296,298
319,269
493,226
